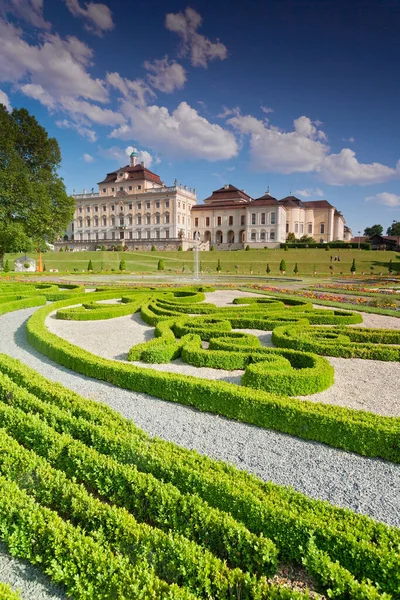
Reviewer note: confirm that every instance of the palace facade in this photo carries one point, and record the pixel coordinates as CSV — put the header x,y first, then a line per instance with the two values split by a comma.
x,y
134,208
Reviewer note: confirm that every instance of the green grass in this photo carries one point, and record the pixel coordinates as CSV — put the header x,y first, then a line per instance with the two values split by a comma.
x,y
254,261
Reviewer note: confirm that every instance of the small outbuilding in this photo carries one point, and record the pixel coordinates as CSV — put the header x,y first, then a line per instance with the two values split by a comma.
x,y
24,264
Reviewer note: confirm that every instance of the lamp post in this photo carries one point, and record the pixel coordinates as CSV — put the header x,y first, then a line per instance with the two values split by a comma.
x,y
359,239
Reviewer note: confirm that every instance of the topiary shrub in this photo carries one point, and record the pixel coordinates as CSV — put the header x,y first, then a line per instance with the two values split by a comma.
x,y
122,265
160,266
27,265
180,249
90,266
219,266
153,248
296,268
247,248
353,266
268,270
6,267
282,266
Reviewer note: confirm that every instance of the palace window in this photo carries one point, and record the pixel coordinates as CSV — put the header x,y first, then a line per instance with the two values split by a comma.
x,y
157,218
104,221
104,207
322,228
113,221
167,235
287,227
262,236
112,207
262,218
96,209
121,189
207,221
148,235
147,204
230,220
88,222
166,218
296,227
196,222
139,219
130,235
139,187
130,220
243,220
167,204
310,228
80,209
88,209
112,189
253,236
183,220
147,219
121,221
139,235
253,219
139,206
104,190
301,227
272,235
96,222
80,222
158,234
113,235
157,204
130,188
219,220
130,206
273,218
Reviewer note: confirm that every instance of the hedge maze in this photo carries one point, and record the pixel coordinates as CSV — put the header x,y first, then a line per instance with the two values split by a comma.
x,y
109,512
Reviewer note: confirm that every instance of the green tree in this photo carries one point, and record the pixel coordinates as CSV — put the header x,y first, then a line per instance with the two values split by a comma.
x,y
90,266
353,266
394,229
180,249
219,266
286,248
374,230
268,270
153,248
390,266
34,205
6,267
160,266
282,266
247,248
305,239
296,268
290,237
122,265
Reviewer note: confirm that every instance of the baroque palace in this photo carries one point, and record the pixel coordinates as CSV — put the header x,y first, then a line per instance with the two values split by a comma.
x,y
134,208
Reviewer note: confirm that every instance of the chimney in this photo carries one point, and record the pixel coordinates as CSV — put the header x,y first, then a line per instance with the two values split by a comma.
x,y
226,186
143,163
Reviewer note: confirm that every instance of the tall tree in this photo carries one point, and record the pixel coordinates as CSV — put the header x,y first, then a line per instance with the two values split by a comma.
x,y
34,205
374,230
394,229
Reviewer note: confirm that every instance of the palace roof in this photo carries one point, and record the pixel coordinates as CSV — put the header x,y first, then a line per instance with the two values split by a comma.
x,y
228,192
138,173
266,200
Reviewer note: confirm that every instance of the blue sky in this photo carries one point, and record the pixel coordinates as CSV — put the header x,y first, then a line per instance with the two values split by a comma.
x,y
299,96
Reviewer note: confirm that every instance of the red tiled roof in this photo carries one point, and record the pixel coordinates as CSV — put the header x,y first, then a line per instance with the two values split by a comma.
x,y
138,172
229,192
318,204
292,201
220,206
266,200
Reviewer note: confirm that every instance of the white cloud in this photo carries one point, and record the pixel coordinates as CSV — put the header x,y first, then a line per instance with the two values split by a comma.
x,y
58,65
97,16
200,49
344,169
182,133
85,132
36,92
392,200
5,100
164,75
298,151
266,109
228,112
102,116
27,10
308,192
88,158
349,140
135,89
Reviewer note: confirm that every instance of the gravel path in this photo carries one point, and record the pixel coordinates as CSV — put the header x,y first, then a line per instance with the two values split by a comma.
x,y
31,583
367,486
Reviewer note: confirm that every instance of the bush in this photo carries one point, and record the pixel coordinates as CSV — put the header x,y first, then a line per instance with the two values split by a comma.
x,y
296,268
153,248
247,248
286,248
160,266
212,249
180,249
90,266
122,265
27,265
268,270
219,266
282,266
6,267
353,266
103,248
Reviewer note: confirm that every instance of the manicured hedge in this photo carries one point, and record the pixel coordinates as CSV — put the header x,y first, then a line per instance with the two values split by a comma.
x,y
173,557
6,593
85,567
96,312
373,344
357,431
148,499
366,548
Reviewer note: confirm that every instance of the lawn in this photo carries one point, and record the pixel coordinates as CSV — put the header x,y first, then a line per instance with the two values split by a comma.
x,y
253,261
